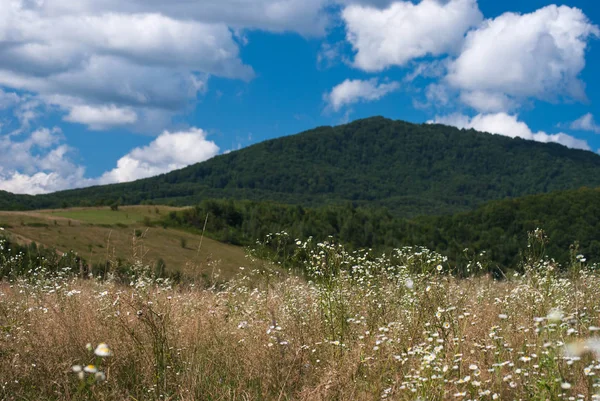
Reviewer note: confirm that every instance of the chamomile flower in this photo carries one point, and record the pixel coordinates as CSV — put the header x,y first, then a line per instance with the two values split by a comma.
x,y
102,350
90,369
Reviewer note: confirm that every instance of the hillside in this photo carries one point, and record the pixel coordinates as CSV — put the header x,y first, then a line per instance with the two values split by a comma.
x,y
500,227
100,234
410,169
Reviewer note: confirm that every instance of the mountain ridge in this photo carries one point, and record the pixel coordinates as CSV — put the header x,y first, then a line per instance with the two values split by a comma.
x,y
409,168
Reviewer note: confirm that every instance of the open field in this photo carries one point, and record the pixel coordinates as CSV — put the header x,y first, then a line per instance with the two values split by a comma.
x,y
104,215
99,234
398,327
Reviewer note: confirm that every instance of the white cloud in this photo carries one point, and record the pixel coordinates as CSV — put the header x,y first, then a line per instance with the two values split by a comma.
x,y
42,162
169,151
513,57
105,56
487,102
40,183
405,31
38,163
8,99
353,91
308,17
101,117
25,155
509,125
586,123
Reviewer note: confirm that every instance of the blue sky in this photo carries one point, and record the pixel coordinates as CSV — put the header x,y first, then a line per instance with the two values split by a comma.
x,y
117,90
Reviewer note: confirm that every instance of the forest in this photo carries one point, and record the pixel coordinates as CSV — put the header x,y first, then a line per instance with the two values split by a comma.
x,y
499,228
409,169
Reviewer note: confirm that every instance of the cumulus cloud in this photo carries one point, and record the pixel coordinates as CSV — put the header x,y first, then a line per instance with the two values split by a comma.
x,y
513,57
308,17
40,183
356,90
169,151
101,117
38,163
508,125
104,59
405,31
586,123
42,162
487,102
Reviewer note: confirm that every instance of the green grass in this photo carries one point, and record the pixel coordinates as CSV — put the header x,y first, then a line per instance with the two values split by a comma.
x,y
104,215
100,234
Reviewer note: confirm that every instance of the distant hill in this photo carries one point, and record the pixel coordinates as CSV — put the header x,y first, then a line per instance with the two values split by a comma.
x,y
408,168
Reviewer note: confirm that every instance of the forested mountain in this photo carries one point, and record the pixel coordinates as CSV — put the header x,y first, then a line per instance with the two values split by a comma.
x,y
409,169
500,227
9,201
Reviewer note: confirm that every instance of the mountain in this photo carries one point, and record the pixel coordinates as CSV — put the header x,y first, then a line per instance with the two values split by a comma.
x,y
409,168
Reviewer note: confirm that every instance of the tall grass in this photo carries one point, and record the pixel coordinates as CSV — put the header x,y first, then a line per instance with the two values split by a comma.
x,y
356,326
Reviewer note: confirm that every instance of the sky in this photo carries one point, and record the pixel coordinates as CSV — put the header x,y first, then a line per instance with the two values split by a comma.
x,y
103,91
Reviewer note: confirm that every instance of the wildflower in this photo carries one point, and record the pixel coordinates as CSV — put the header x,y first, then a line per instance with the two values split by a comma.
x,y
473,367
503,316
565,386
102,350
79,370
409,284
99,376
555,315
90,369
88,346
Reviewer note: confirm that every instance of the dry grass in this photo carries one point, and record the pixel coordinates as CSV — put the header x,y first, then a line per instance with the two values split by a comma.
x,y
364,328
79,229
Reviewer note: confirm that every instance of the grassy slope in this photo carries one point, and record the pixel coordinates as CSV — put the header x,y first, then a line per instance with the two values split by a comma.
x,y
86,232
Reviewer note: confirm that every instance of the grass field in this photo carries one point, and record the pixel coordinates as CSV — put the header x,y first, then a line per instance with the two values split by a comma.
x,y
100,234
398,327
104,215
